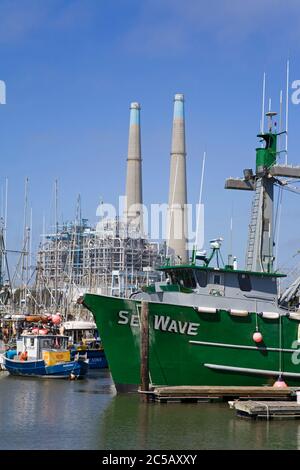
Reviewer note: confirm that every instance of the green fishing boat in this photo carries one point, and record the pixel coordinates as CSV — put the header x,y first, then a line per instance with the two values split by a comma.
x,y
213,325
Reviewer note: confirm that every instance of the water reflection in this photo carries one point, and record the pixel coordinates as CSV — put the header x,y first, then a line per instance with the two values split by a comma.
x,y
130,424
50,414
58,414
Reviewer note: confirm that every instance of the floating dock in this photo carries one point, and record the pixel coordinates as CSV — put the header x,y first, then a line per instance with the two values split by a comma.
x,y
211,393
267,409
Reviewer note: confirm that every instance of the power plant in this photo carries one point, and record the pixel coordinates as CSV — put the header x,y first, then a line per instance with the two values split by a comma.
x,y
114,257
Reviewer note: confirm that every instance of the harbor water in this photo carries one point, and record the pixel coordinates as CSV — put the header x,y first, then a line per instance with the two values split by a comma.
x,y
87,414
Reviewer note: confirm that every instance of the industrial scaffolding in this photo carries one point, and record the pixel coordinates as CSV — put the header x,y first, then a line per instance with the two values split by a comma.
x,y
107,259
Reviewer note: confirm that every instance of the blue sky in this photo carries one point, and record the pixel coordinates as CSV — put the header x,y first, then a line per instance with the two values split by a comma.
x,y
72,68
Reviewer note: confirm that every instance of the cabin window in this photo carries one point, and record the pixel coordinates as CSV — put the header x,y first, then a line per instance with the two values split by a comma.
x,y
47,343
183,277
201,277
30,342
189,279
217,279
244,282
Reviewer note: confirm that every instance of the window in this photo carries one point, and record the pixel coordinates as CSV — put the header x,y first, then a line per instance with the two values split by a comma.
x,y
217,279
189,279
244,282
201,277
183,277
30,342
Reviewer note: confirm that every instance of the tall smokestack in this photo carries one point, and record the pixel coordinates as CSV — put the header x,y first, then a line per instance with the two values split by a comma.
x,y
177,216
134,198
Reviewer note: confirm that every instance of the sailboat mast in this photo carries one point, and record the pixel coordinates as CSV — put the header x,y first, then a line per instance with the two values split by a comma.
x,y
5,210
56,242
24,267
1,252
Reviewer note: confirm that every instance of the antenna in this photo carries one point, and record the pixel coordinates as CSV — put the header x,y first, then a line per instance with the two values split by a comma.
x,y
280,120
270,104
263,105
202,176
280,111
287,109
231,231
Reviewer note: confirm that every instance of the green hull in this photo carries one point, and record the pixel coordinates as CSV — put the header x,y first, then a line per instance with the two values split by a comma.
x,y
192,348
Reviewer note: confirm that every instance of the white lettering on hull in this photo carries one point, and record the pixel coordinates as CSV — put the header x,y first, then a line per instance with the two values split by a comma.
x,y
125,320
161,323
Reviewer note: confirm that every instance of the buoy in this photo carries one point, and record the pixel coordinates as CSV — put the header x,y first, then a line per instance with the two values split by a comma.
x,y
43,331
280,383
36,331
56,319
257,337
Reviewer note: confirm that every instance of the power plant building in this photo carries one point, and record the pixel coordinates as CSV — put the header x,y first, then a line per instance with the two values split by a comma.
x,y
115,257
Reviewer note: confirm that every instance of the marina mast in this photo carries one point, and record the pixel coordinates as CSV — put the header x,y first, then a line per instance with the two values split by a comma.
x,y
260,247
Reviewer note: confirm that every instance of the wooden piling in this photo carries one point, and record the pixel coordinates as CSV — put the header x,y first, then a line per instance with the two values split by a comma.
x,y
144,349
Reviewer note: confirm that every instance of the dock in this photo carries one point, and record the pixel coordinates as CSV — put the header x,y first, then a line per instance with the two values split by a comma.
x,y
194,394
267,409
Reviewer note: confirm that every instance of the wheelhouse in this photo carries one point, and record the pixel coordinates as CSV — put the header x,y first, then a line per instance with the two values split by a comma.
x,y
214,281
35,345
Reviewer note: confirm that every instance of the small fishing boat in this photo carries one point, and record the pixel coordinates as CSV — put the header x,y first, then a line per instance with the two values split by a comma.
x,y
45,356
83,336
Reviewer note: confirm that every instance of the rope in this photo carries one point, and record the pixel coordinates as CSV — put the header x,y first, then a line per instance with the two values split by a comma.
x,y
267,407
256,320
280,346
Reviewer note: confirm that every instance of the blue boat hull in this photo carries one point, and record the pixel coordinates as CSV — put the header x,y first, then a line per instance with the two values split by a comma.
x,y
97,359
63,370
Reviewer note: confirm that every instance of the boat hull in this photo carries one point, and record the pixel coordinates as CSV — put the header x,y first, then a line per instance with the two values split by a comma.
x,y
191,348
66,370
96,358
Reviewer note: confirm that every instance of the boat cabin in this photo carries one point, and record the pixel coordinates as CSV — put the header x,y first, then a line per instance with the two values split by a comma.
x,y
79,331
220,281
37,345
221,288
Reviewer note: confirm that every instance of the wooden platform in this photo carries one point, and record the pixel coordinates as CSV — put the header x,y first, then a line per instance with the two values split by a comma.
x,y
211,393
267,409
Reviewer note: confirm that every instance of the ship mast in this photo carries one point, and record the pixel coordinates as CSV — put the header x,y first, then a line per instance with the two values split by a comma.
x,y
260,248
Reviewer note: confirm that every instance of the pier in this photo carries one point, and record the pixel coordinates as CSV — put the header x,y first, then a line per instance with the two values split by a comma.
x,y
194,394
267,409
